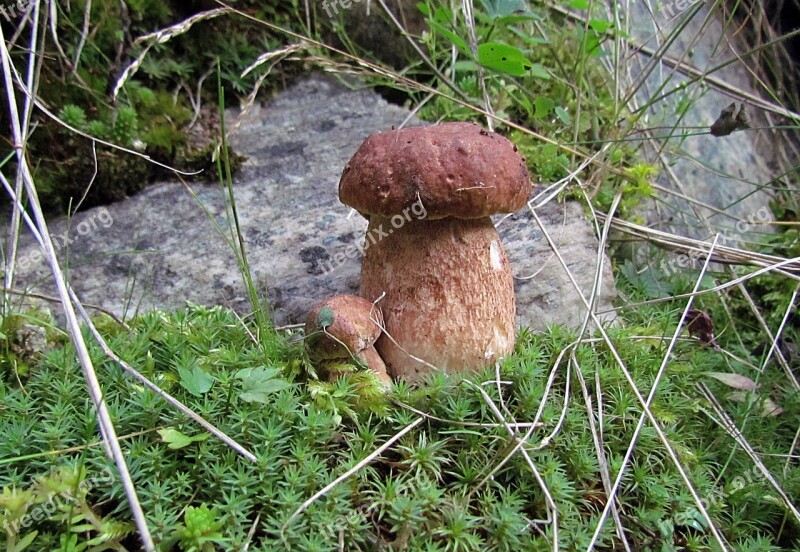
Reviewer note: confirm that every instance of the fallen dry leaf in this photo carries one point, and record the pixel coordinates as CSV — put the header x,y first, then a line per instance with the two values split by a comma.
x,y
737,381
768,408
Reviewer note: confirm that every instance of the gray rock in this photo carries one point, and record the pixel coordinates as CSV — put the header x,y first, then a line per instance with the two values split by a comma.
x,y
160,249
723,180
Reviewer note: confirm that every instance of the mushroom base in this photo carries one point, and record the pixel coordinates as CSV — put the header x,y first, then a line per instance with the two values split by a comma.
x,y
449,294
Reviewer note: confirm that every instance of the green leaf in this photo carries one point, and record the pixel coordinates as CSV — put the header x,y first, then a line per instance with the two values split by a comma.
x,y
68,543
25,542
540,71
563,115
592,44
177,440
465,65
542,106
503,8
648,281
196,381
517,18
527,38
443,16
450,35
579,4
259,383
526,104
325,317
600,26
503,58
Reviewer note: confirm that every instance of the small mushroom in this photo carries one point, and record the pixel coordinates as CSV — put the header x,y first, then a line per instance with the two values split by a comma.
x,y
344,326
431,250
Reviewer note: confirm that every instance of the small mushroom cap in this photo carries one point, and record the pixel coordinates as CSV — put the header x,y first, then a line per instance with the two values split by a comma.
x,y
353,321
375,363
452,169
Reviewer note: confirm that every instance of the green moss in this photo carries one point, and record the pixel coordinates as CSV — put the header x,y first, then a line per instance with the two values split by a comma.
x,y
432,488
148,115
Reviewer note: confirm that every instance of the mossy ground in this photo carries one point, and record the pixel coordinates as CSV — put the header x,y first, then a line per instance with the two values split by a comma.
x,y
452,483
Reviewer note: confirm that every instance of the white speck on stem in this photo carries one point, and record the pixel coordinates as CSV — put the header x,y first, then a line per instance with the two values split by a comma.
x,y
494,256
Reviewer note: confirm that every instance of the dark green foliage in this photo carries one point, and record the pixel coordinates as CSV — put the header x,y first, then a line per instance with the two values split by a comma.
x,y
153,110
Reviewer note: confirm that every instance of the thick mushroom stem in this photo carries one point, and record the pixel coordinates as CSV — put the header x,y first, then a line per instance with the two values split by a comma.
x,y
449,294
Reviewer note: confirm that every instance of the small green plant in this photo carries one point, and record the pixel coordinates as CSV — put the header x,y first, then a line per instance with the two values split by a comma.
x,y
200,530
636,189
63,498
122,130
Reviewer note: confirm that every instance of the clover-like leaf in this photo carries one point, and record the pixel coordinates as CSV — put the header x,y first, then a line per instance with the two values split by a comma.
x,y
177,440
196,381
259,383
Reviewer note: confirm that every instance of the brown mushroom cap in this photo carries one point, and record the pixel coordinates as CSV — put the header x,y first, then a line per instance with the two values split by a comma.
x,y
356,324
453,169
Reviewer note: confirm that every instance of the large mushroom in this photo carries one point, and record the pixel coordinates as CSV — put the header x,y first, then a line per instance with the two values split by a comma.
x,y
343,327
431,251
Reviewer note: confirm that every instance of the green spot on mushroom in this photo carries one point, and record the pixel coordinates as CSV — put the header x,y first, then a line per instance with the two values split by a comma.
x,y
325,317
